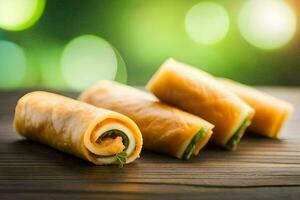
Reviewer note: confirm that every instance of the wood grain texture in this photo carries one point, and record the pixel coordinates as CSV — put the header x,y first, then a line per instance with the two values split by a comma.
x,y
260,168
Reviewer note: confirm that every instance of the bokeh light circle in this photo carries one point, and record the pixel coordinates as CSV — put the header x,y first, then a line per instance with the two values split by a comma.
x,y
267,24
86,60
12,65
207,23
121,74
18,15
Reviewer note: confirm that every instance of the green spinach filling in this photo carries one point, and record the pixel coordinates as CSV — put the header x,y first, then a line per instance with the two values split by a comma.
x,y
234,140
190,148
122,156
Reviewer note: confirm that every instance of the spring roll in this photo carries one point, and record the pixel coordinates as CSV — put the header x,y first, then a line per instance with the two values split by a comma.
x,y
197,92
165,129
94,134
270,113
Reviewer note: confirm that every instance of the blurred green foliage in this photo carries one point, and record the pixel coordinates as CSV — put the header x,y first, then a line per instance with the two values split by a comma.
x,y
145,33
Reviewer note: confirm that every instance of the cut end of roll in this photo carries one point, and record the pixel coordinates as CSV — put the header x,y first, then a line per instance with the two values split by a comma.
x,y
114,140
271,113
237,136
110,145
198,141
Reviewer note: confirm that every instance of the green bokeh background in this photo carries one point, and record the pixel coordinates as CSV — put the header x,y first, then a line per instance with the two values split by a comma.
x,y
145,33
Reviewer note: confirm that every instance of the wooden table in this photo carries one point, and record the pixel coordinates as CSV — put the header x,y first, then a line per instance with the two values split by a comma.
x,y
260,168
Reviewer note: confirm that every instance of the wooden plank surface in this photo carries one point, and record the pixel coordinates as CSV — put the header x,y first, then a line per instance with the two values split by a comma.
x,y
260,168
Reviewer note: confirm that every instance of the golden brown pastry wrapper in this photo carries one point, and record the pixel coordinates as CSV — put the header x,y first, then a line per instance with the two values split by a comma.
x,y
270,113
165,129
75,127
199,93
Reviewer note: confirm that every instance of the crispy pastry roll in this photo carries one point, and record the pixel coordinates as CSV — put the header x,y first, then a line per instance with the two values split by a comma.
x,y
165,129
94,134
270,113
199,93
